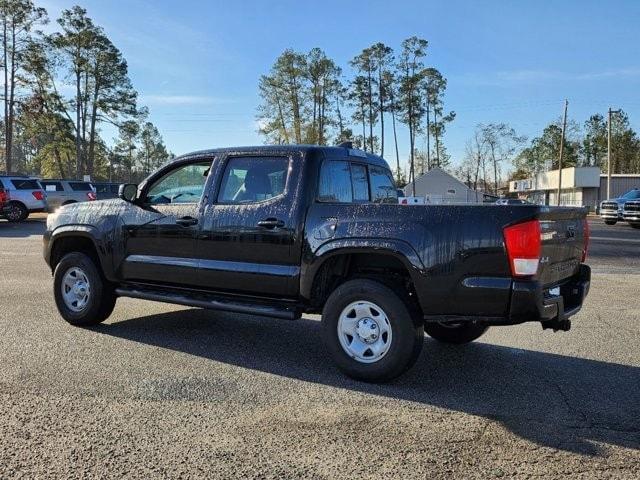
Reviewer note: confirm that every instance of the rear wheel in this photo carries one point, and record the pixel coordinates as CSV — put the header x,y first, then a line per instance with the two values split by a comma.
x,y
82,295
371,332
16,212
610,222
456,333
635,225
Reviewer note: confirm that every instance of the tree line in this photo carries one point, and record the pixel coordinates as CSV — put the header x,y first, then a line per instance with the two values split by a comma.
x,y
60,90
309,98
496,149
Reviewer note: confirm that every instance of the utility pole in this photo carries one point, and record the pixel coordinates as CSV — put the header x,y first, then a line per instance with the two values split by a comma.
x,y
609,151
564,128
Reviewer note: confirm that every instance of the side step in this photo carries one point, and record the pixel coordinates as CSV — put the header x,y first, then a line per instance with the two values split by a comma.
x,y
211,301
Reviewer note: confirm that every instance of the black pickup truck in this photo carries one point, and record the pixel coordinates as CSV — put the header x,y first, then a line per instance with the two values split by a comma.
x,y
285,230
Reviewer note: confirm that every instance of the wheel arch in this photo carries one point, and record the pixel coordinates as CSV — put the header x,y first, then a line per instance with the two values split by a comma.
x,y
340,260
76,239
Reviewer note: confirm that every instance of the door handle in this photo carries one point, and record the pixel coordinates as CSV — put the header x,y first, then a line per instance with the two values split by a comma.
x,y
187,221
271,223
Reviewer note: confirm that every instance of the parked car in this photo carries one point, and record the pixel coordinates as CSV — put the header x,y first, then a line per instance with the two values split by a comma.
x,y
24,195
285,230
631,213
3,200
106,190
611,210
511,201
64,192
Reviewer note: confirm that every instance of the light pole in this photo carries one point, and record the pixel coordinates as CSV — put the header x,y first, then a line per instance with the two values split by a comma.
x,y
564,127
609,151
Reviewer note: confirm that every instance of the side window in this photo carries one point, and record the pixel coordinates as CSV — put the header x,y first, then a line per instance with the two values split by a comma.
x,y
184,184
80,186
360,183
335,182
25,184
52,186
253,179
382,188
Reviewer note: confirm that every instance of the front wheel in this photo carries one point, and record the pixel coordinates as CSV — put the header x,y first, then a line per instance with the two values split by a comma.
x,y
82,295
610,222
457,333
635,225
372,333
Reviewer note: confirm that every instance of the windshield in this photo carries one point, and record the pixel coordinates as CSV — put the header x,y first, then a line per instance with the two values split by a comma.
x,y
632,195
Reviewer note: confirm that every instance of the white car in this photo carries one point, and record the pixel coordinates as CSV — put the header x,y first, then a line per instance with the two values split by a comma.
x,y
23,195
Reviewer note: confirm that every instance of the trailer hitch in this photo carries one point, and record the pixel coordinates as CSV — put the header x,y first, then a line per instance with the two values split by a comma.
x,y
557,324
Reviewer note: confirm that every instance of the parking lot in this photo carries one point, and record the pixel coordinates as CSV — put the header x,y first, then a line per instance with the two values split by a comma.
x,y
167,391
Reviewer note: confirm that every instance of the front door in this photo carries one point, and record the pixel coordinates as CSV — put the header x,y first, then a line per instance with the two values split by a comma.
x,y
248,243
160,233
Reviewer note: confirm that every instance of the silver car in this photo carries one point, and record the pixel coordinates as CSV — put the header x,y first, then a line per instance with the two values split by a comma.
x,y
64,192
22,195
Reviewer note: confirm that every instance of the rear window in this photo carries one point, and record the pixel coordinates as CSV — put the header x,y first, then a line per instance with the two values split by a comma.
x,y
346,182
25,184
80,187
382,188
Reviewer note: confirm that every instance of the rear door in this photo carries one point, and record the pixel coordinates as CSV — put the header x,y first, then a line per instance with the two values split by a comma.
x,y
247,240
563,232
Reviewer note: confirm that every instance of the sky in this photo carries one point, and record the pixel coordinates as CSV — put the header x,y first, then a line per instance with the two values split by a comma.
x,y
196,64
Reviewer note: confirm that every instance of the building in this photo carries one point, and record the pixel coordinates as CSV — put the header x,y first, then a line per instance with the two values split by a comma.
x,y
437,186
581,187
621,183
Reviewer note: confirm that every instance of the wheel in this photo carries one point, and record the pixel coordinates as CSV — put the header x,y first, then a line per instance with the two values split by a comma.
x,y
457,333
372,332
16,212
610,222
82,295
635,225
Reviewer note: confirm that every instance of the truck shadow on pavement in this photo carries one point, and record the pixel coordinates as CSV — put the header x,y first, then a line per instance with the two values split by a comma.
x,y
561,402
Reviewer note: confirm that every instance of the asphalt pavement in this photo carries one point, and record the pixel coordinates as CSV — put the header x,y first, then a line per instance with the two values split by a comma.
x,y
160,391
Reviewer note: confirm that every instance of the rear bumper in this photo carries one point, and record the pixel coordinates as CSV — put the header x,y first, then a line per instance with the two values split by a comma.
x,y
530,301
631,216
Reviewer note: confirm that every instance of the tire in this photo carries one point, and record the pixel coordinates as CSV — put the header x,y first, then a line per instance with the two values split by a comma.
x,y
100,299
610,222
635,225
399,334
16,212
455,333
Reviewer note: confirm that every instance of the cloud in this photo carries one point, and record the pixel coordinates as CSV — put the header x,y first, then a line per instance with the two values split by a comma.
x,y
182,100
507,77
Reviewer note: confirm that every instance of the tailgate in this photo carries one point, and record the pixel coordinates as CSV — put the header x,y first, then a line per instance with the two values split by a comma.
x,y
563,239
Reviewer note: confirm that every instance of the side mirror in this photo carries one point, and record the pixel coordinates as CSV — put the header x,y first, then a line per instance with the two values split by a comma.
x,y
128,192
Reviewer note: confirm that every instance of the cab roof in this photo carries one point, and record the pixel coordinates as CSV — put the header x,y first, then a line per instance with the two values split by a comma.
x,y
336,152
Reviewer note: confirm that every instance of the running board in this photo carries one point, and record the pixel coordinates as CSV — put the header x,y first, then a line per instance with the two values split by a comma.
x,y
211,302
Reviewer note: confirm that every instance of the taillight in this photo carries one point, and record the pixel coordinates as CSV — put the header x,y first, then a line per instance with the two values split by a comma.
x,y
38,194
3,197
91,195
523,245
586,236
